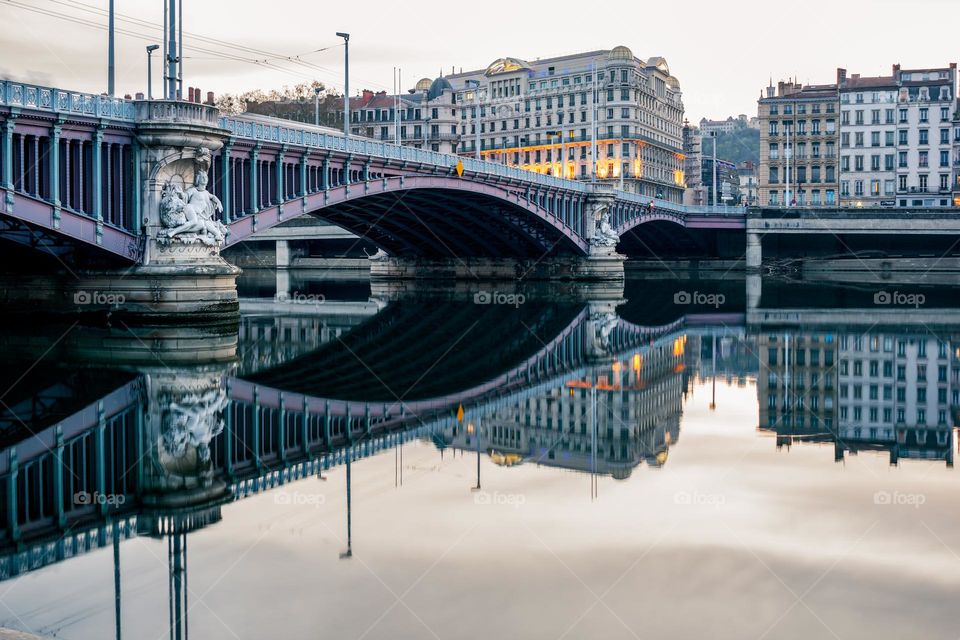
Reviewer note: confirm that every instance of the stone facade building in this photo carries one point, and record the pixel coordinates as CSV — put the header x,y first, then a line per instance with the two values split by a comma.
x,y
799,136
528,114
888,141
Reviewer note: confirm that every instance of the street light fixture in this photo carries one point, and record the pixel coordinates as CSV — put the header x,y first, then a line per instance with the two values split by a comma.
x,y
563,160
316,106
150,49
346,82
476,105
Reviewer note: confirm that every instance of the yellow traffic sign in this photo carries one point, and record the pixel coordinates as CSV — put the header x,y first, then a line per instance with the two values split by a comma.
x,y
460,171
460,411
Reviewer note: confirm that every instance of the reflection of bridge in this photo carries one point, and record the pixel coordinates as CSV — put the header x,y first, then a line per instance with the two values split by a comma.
x,y
123,445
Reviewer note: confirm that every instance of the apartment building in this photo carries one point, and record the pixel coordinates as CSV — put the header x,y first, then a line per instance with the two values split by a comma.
x,y
799,135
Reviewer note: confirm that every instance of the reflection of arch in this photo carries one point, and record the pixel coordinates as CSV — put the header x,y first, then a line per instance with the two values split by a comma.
x,y
434,216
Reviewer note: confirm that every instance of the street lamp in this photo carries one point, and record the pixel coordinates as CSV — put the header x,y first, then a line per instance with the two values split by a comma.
x,y
150,49
316,106
346,82
563,161
476,121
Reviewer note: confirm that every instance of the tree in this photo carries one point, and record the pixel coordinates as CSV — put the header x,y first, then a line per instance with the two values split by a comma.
x,y
285,103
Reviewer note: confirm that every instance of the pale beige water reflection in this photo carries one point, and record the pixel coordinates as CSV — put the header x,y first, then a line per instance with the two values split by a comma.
x,y
730,538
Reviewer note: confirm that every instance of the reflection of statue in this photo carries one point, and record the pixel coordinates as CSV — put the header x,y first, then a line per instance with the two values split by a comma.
x,y
190,216
603,234
603,325
379,255
194,421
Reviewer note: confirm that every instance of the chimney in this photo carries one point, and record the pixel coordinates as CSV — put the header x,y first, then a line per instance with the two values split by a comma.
x,y
210,97
196,95
140,95
841,76
190,94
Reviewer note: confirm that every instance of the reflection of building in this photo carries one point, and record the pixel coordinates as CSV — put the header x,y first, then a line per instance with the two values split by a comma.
x,y
896,392
638,405
887,392
797,385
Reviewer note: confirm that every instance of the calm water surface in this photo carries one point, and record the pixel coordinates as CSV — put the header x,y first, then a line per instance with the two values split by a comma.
x,y
674,460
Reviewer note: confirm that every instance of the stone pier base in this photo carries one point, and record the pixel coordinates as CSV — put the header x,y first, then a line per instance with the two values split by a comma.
x,y
595,268
154,294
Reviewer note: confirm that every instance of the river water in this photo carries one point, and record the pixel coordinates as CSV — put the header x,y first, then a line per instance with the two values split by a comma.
x,y
675,458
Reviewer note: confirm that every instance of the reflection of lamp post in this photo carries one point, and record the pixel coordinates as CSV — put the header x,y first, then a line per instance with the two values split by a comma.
x,y
349,552
713,397
593,431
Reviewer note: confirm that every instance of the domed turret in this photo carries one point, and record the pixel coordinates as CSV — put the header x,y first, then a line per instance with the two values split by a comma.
x,y
437,87
620,53
423,84
506,65
660,64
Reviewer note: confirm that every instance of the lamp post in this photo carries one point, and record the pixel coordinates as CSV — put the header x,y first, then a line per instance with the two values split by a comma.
x,y
150,49
346,82
110,58
476,124
559,134
316,106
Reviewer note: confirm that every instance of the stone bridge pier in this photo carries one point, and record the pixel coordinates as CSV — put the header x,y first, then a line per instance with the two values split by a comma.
x,y
178,274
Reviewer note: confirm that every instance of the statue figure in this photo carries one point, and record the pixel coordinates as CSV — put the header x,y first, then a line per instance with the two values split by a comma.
x,y
603,326
376,257
604,234
190,216
194,421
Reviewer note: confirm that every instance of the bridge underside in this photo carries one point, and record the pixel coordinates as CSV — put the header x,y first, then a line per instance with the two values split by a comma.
x,y
446,223
666,239
437,351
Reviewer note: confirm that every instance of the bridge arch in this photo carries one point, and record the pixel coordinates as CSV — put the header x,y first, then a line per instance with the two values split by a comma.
x,y
432,216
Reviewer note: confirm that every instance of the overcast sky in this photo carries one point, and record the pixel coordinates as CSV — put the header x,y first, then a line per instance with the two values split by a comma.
x,y
722,52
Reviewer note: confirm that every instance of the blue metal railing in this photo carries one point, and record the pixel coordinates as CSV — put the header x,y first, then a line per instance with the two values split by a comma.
x,y
266,129
28,96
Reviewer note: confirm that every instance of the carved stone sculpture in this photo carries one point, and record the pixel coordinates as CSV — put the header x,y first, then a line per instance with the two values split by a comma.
x,y
604,234
379,255
603,324
190,217
194,421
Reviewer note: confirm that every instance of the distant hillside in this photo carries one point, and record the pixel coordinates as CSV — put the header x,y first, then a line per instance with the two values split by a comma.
x,y
738,146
